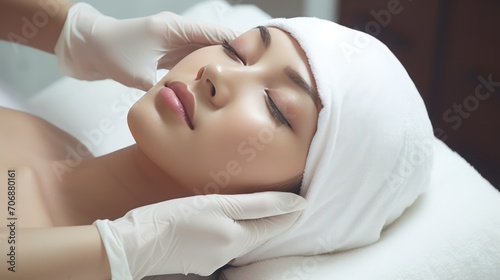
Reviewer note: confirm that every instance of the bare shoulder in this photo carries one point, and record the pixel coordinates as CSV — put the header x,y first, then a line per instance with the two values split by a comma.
x,y
29,147
23,134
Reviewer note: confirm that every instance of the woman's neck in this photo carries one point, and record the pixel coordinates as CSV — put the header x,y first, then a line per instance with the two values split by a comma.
x,y
107,187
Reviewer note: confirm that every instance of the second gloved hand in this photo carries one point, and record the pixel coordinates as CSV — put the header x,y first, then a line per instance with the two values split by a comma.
x,y
93,46
196,234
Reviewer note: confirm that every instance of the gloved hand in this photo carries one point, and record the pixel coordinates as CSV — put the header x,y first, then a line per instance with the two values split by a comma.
x,y
197,234
93,46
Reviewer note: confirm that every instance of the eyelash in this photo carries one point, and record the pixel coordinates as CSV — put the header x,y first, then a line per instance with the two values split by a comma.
x,y
232,51
273,109
277,115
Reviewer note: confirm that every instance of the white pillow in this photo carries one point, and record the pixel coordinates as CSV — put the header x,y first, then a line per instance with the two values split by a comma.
x,y
93,112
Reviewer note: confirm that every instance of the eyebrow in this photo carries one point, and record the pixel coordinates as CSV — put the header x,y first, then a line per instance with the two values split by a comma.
x,y
289,71
265,36
299,81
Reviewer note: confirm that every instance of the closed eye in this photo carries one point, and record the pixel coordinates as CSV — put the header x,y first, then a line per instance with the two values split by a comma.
x,y
232,51
275,112
273,109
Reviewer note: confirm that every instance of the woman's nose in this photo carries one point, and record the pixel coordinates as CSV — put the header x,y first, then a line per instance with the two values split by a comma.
x,y
217,82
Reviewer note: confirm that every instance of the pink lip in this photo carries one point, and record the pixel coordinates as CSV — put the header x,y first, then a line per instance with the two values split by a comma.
x,y
180,100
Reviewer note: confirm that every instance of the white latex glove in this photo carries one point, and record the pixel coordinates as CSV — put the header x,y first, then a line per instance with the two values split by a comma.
x,y
196,234
93,46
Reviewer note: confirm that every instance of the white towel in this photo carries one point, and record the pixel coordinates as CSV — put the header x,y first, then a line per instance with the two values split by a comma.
x,y
371,155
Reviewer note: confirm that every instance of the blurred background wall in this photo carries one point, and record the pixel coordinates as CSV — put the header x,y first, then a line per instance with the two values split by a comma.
x,y
451,49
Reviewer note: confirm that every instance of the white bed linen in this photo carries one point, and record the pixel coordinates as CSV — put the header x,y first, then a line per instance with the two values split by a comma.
x,y
9,99
93,112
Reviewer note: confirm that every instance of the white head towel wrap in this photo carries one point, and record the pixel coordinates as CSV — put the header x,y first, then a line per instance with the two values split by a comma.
x,y
371,156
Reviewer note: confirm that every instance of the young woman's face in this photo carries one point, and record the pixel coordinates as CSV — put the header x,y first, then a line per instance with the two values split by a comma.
x,y
254,115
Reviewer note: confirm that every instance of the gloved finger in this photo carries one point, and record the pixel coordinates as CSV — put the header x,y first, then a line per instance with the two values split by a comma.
x,y
142,82
258,231
144,79
260,205
206,33
145,83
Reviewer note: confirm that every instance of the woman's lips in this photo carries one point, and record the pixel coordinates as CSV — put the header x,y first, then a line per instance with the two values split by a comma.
x,y
180,100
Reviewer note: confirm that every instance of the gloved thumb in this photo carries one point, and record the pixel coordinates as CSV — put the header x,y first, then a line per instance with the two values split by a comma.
x,y
261,204
144,79
261,216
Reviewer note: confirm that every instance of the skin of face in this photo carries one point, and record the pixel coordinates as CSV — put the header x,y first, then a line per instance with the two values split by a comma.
x,y
237,145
